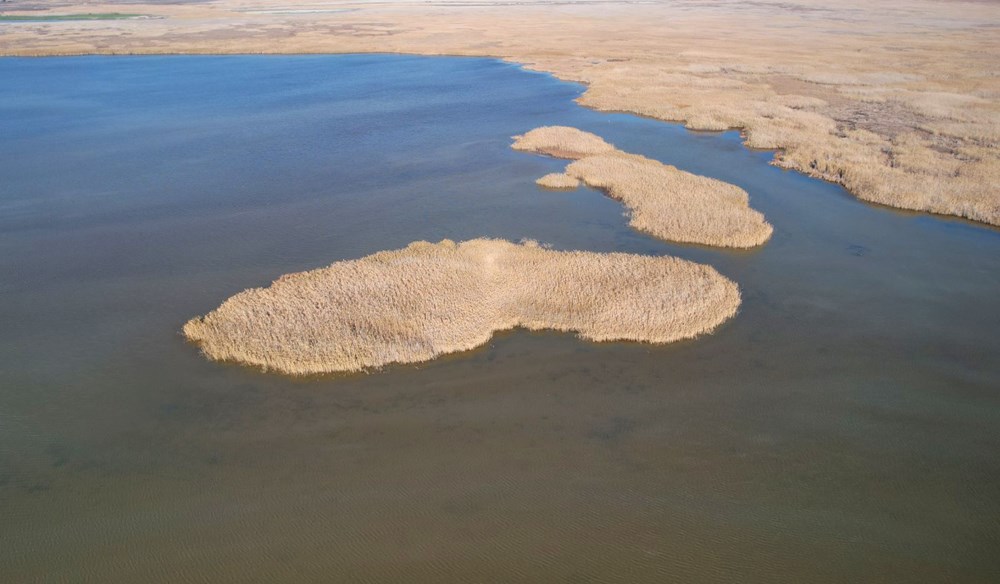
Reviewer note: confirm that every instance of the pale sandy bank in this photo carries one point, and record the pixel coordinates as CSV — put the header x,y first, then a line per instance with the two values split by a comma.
x,y
429,299
663,200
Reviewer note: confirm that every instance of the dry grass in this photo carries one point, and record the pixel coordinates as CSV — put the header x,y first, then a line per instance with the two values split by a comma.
x,y
834,85
557,181
663,200
427,300
562,142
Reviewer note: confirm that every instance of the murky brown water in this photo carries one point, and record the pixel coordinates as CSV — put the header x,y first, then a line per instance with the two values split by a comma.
x,y
844,427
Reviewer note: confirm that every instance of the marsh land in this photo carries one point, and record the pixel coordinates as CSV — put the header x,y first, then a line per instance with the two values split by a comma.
x,y
840,423
843,426
898,100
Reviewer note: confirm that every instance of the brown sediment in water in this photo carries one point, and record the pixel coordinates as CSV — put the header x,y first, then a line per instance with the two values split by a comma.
x,y
914,122
426,300
663,200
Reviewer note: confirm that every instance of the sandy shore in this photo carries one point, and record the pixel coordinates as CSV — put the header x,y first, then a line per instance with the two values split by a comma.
x,y
426,300
896,100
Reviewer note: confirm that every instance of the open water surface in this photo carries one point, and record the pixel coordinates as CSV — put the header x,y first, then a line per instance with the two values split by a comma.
x,y
844,427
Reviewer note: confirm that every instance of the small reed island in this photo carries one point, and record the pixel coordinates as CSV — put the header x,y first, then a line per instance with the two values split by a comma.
x,y
663,201
429,299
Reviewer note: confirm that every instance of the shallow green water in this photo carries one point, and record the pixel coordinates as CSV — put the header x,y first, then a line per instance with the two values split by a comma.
x,y
844,427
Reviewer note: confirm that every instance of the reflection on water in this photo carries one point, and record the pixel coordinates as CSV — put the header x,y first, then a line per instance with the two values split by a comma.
x,y
844,427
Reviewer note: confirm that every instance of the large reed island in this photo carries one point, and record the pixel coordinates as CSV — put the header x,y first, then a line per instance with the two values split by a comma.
x,y
663,200
428,299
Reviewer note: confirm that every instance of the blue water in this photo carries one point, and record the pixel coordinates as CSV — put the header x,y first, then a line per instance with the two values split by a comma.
x,y
843,427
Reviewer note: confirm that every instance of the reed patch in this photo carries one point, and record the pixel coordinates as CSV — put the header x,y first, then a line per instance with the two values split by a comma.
x,y
430,299
663,200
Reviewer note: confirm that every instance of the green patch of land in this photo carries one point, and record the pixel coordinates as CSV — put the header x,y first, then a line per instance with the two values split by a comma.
x,y
61,17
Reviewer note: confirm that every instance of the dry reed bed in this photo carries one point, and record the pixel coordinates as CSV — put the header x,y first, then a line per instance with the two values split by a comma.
x,y
426,300
558,180
872,133
663,200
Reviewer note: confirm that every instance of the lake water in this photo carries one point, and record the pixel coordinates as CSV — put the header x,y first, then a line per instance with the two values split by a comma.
x,y
844,427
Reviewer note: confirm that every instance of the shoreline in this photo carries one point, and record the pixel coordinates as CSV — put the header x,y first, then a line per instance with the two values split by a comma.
x,y
909,135
906,211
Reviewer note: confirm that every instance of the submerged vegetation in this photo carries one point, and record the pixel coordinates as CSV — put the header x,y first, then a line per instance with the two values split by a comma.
x,y
426,300
664,201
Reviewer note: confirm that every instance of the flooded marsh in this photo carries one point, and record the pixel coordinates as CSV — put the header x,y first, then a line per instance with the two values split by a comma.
x,y
843,426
